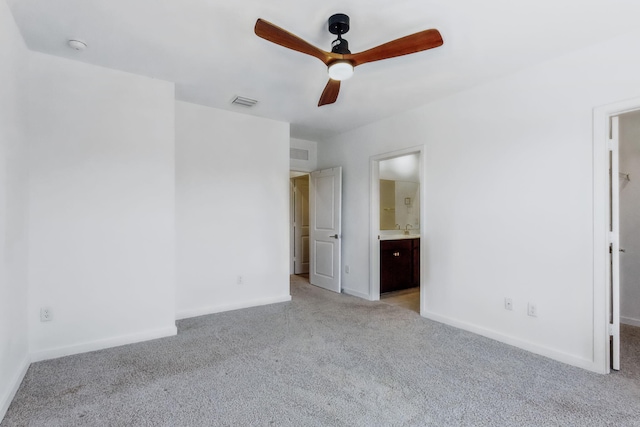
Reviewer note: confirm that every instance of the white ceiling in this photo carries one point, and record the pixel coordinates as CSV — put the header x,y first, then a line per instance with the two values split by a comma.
x,y
208,48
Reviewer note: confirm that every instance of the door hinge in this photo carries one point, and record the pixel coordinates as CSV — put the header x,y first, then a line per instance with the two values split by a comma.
x,y
610,329
612,238
610,145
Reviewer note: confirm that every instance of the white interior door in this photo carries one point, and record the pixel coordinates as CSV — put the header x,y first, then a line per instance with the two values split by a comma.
x,y
614,239
325,220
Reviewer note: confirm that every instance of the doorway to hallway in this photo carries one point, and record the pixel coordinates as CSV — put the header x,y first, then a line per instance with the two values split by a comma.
x,y
299,224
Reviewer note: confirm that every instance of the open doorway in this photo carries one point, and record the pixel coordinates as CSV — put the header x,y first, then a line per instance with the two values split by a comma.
x,y
628,181
616,234
315,227
396,234
299,224
629,190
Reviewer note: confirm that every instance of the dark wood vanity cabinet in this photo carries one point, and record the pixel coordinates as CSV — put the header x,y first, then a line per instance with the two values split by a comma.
x,y
399,264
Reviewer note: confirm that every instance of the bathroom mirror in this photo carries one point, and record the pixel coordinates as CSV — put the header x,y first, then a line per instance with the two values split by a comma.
x,y
399,205
400,193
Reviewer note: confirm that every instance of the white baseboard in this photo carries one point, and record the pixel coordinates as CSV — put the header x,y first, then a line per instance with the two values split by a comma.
x,y
14,384
103,343
587,364
185,314
630,321
356,293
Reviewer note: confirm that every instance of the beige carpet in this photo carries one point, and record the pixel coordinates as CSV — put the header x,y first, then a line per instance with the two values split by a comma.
x,y
323,359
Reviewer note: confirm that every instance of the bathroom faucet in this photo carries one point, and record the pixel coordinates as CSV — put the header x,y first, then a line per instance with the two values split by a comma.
x,y
406,229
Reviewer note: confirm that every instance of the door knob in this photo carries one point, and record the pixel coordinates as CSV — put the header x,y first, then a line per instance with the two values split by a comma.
x,y
335,236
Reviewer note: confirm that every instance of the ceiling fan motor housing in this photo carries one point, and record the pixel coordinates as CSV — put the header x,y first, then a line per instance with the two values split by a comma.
x,y
339,25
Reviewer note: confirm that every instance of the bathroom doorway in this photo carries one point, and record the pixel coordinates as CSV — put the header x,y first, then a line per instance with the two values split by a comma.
x,y
397,236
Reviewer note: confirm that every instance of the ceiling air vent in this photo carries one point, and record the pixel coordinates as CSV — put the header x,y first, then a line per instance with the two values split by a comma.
x,y
245,102
298,154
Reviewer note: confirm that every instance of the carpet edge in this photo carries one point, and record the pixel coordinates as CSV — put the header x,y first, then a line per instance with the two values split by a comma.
x,y
103,343
5,401
588,364
185,314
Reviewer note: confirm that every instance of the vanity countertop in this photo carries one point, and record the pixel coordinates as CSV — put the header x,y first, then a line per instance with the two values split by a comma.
x,y
398,236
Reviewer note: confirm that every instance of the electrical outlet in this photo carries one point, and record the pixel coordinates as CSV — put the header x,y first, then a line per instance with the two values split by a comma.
x,y
508,304
532,310
347,269
46,314
240,280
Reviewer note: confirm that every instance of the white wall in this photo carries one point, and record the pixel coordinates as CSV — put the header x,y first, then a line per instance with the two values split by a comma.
x,y
13,209
232,204
509,198
630,219
101,217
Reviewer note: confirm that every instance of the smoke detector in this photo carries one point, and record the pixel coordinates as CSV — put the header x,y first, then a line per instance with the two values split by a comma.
x,y
77,44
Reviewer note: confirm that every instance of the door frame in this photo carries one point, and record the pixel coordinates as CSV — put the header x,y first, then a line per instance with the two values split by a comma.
x,y
374,219
601,202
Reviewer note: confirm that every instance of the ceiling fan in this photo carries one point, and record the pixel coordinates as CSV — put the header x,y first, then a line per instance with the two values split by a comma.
x,y
340,61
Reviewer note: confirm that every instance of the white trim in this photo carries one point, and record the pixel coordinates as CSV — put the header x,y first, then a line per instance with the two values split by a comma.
x,y
516,342
103,343
374,217
614,239
356,293
630,321
185,314
10,393
601,116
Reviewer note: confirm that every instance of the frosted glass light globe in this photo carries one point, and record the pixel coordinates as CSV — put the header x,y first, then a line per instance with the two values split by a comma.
x,y
340,70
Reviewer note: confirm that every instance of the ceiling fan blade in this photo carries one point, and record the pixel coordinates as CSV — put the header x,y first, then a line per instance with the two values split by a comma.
x,y
330,93
277,35
413,43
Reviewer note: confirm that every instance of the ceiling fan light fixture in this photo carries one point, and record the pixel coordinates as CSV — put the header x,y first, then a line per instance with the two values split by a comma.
x,y
340,70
